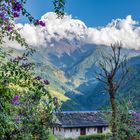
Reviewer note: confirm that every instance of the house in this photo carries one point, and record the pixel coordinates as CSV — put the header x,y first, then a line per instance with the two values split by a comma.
x,y
74,124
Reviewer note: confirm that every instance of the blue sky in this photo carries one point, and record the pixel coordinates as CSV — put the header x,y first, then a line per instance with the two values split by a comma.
x,y
92,12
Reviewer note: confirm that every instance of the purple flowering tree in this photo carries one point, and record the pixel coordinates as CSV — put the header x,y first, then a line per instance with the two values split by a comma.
x,y
22,102
24,114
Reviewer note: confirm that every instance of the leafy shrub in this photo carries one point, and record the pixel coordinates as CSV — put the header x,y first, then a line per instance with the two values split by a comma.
x,y
93,137
51,137
69,139
96,137
24,112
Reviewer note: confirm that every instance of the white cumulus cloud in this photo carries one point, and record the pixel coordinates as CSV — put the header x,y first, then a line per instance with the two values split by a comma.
x,y
122,30
125,30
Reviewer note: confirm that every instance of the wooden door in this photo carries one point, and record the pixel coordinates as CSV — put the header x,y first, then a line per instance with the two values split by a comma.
x,y
82,131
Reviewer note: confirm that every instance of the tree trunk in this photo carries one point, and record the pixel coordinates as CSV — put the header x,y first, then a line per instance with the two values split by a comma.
x,y
114,117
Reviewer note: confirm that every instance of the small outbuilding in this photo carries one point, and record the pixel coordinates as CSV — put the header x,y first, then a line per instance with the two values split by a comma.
x,y
74,124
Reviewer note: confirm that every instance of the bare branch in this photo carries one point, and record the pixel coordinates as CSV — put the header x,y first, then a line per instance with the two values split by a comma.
x,y
111,65
101,80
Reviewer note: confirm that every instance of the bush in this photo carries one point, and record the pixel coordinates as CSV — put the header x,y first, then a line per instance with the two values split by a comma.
x,y
26,106
69,139
96,137
93,137
51,137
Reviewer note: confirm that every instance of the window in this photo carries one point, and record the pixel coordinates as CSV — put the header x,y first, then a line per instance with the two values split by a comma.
x,y
56,128
88,129
104,128
76,129
99,130
70,129
82,131
94,129
59,129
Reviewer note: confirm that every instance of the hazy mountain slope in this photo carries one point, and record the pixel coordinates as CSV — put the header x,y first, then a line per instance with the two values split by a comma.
x,y
131,89
74,75
71,72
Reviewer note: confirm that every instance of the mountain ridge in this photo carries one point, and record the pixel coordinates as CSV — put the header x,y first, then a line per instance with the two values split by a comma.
x,y
76,82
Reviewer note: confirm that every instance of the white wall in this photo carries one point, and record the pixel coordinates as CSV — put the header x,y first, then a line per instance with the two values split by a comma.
x,y
106,130
72,133
67,133
90,131
75,132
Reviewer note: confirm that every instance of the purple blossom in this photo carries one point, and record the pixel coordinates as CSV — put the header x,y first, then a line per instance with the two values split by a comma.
x,y
13,8
26,65
18,119
9,28
16,14
17,6
15,100
136,116
46,82
38,78
2,15
39,22
42,23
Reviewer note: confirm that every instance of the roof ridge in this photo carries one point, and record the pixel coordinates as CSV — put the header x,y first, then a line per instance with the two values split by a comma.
x,y
95,111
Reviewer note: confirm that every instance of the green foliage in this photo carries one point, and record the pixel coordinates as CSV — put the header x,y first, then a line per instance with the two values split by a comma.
x,y
24,112
126,121
51,137
96,137
59,7
30,114
99,136
69,139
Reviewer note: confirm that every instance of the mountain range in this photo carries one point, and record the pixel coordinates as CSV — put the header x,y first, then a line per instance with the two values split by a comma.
x,y
67,54
71,72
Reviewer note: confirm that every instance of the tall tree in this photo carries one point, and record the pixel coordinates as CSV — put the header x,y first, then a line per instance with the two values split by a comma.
x,y
113,71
